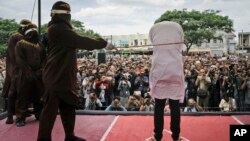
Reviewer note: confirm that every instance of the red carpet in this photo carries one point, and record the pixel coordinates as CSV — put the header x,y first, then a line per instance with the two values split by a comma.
x,y
193,128
91,128
128,128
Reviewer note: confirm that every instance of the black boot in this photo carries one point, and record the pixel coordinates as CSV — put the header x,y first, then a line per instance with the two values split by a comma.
x,y
9,120
20,123
37,116
74,138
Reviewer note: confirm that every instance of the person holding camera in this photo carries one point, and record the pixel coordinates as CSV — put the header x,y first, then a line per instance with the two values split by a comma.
x,y
103,87
124,89
190,78
214,89
202,82
132,104
239,93
246,86
116,105
147,105
141,82
92,102
193,106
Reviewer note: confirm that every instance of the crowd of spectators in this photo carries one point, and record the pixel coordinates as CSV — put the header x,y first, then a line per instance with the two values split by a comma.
x,y
122,83
210,81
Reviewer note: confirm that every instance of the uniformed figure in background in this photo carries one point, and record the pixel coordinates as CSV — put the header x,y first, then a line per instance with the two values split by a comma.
x,y
59,74
29,61
10,95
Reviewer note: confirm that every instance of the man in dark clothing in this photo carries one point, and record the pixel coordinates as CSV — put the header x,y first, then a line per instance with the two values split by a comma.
x,y
29,60
59,74
9,92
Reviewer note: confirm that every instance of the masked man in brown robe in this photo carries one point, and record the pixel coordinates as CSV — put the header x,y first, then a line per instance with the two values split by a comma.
x,y
9,92
59,74
29,61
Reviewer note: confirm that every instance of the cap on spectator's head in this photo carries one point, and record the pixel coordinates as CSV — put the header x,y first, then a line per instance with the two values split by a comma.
x,y
24,22
60,7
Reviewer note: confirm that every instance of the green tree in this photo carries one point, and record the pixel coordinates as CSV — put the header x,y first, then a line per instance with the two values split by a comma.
x,y
7,27
198,26
79,27
44,28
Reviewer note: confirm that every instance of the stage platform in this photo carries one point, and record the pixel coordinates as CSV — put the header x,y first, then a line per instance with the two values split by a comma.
x,y
130,127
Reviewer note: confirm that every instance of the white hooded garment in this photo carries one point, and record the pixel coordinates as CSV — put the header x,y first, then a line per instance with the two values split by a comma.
x,y
166,74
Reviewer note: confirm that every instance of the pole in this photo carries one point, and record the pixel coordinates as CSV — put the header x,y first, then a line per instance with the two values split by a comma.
x,y
242,40
39,17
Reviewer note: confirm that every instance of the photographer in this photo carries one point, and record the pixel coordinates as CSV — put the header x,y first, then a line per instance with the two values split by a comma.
x,y
246,86
116,105
214,89
231,81
124,89
239,92
92,102
132,104
202,82
103,86
193,106
87,86
190,77
147,105
118,77
236,79
142,82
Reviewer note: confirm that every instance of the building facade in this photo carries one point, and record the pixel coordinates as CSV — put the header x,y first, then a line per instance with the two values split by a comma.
x,y
133,40
244,41
223,43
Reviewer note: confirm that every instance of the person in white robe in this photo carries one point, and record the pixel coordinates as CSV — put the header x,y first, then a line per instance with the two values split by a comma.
x,y
166,78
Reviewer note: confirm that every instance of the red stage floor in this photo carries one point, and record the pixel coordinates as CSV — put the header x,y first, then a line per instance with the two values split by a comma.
x,y
129,128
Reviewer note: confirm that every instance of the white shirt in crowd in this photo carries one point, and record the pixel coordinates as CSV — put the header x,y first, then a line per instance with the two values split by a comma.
x,y
227,106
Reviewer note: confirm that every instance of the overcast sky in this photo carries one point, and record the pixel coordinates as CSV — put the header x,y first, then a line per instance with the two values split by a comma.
x,y
119,17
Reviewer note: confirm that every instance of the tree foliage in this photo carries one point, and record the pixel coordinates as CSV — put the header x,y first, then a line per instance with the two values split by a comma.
x,y
7,27
79,27
198,26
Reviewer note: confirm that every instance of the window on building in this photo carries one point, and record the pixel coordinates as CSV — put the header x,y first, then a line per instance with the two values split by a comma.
x,y
215,40
145,41
245,42
136,42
